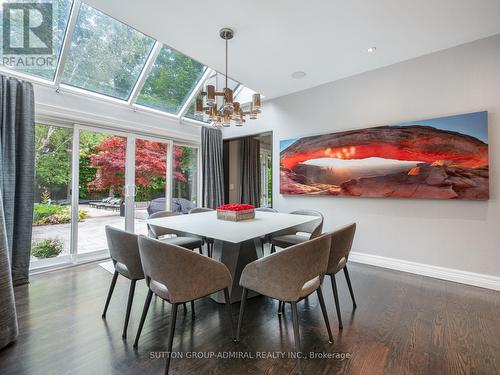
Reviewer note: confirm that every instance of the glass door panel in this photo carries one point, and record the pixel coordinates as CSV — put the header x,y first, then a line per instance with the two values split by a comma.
x,y
51,239
185,178
151,176
101,188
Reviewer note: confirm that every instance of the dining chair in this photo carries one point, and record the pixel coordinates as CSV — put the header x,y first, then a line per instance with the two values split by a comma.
x,y
290,236
209,241
289,276
267,238
341,245
177,276
124,252
157,232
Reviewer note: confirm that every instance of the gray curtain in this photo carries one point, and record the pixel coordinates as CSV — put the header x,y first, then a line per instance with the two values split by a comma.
x,y
17,171
8,318
212,167
250,171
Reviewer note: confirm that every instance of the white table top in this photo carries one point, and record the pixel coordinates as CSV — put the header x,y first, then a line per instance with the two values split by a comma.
x,y
206,224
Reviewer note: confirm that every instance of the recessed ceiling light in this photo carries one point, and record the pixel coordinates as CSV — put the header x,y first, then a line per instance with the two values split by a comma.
x,y
371,49
298,75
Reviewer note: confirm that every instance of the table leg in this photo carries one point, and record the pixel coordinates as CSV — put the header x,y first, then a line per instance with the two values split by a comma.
x,y
235,256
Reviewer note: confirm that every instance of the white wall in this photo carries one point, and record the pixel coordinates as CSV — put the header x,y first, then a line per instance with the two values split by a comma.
x,y
79,108
461,235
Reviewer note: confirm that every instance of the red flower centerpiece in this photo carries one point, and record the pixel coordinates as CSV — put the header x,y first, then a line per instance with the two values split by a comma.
x,y
235,212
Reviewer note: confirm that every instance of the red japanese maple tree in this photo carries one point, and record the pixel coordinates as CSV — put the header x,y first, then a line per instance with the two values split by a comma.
x,y
150,163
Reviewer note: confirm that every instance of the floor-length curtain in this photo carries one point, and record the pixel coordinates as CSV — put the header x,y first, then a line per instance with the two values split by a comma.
x,y
8,318
212,167
250,171
17,171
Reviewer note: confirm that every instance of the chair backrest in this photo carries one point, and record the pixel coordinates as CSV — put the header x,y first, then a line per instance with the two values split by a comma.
x,y
186,274
266,209
283,274
197,210
124,249
340,247
314,227
156,231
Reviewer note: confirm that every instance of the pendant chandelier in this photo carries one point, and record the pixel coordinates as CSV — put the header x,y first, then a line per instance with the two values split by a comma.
x,y
229,112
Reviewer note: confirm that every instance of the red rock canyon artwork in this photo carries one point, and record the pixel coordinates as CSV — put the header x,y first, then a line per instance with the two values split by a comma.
x,y
441,158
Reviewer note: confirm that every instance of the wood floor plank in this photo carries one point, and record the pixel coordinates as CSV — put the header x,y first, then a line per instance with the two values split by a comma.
x,y
404,324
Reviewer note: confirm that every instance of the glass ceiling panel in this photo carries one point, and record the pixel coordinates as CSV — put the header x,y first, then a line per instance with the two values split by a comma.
x,y
106,56
170,82
38,64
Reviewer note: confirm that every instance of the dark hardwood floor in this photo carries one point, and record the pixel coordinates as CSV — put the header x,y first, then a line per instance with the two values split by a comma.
x,y
404,324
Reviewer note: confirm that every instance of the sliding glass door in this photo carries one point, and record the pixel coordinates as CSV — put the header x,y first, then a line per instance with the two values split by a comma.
x,y
151,180
87,178
101,187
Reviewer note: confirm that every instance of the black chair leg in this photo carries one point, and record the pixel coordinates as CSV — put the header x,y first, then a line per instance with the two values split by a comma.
x,y
325,314
192,309
110,293
143,317
171,336
348,279
273,249
295,320
229,312
200,250
336,298
129,307
242,310
280,305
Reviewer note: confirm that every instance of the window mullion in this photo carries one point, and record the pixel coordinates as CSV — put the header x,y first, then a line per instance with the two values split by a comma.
x,y
68,37
185,107
155,51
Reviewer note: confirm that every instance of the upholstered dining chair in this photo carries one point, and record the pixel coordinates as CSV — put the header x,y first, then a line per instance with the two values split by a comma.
x,y
124,252
341,245
267,238
156,232
289,276
178,275
208,241
290,236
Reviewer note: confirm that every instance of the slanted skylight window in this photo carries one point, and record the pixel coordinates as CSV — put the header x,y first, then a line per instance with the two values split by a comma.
x,y
170,82
45,65
106,56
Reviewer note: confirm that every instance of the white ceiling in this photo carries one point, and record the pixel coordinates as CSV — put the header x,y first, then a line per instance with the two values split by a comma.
x,y
328,39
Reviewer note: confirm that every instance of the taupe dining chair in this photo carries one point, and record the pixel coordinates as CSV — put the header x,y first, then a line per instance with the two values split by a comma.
x,y
156,232
289,276
267,238
289,237
124,252
208,241
178,276
339,253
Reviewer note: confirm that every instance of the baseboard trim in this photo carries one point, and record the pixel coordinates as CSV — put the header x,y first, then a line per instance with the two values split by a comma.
x,y
449,274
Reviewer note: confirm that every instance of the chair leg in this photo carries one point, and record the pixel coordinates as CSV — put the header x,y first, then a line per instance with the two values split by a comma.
x,y
200,249
110,293
171,336
336,298
280,304
295,320
129,307
143,317
229,312
210,249
273,249
348,279
192,308
325,314
242,310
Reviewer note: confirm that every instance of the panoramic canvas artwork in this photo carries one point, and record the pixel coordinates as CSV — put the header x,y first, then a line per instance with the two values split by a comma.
x,y
441,158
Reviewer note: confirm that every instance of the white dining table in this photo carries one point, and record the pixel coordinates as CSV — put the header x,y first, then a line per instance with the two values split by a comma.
x,y
236,243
